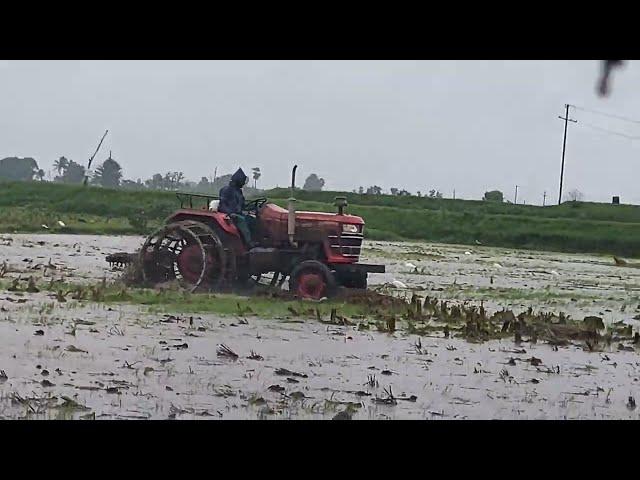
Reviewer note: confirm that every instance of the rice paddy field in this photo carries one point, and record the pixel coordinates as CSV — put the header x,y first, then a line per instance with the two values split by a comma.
x,y
449,332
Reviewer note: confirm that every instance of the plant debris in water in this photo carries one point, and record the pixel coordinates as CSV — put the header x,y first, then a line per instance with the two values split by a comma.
x,y
388,399
224,351
288,373
255,356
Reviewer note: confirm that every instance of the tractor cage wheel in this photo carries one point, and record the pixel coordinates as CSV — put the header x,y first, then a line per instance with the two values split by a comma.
x,y
187,251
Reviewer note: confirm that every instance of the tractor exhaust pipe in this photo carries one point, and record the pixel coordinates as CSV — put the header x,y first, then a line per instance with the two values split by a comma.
x,y
291,217
341,203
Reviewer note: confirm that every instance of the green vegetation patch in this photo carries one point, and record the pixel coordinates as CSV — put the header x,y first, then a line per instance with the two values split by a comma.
x,y
572,227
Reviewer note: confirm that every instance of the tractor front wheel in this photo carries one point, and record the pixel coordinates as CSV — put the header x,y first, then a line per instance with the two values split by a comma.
x,y
312,280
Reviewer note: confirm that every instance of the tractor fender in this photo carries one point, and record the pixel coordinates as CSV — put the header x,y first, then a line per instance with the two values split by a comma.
x,y
206,216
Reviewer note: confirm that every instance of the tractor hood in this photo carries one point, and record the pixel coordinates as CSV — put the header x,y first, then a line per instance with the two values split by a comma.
x,y
328,217
271,210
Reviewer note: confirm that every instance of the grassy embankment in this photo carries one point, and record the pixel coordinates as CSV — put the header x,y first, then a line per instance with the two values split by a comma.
x,y
571,227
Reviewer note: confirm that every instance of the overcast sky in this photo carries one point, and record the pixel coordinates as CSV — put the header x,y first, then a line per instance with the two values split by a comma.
x,y
464,125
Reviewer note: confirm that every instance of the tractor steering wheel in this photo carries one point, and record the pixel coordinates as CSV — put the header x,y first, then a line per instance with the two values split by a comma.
x,y
255,205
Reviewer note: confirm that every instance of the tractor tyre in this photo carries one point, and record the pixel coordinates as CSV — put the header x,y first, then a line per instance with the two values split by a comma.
x,y
312,280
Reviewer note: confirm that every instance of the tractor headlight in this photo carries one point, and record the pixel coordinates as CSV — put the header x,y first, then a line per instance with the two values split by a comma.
x,y
347,228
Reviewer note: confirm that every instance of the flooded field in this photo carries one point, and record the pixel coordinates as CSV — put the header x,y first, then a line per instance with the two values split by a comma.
x,y
576,284
83,359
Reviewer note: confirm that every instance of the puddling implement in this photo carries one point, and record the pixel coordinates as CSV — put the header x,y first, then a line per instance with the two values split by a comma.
x,y
121,259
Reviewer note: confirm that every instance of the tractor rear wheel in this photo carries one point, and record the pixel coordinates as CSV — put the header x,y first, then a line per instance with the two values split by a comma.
x,y
312,280
188,252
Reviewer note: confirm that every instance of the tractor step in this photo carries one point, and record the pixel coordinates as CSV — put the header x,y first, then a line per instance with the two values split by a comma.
x,y
358,267
263,250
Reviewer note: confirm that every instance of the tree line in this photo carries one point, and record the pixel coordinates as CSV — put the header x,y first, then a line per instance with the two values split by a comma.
x,y
109,174
376,190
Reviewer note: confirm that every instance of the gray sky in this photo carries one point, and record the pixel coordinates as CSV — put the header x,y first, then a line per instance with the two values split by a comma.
x,y
468,125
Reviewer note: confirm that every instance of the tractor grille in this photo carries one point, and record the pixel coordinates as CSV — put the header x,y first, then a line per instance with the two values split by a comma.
x,y
347,245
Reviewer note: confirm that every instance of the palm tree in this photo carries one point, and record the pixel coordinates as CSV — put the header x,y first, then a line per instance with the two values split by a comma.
x,y
61,165
256,176
109,174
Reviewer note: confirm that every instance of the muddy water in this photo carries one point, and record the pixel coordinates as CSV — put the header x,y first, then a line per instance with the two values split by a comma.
x,y
78,258
578,285
123,362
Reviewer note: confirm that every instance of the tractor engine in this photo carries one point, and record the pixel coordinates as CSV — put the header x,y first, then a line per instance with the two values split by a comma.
x,y
334,238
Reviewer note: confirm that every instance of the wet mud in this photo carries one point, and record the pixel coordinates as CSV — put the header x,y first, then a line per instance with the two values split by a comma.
x,y
89,360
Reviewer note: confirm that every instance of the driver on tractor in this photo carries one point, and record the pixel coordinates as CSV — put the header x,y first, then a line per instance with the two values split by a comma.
x,y
233,204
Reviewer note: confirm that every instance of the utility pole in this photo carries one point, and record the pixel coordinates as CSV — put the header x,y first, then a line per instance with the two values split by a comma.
x,y
454,193
86,177
515,199
544,198
564,147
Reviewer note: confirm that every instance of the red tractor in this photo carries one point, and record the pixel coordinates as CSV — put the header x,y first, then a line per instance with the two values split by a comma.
x,y
203,249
